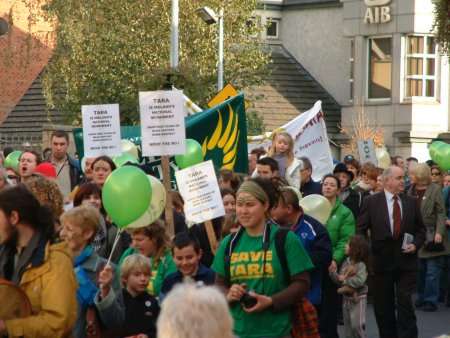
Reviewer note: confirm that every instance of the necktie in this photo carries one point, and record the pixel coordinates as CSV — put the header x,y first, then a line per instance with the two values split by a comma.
x,y
397,218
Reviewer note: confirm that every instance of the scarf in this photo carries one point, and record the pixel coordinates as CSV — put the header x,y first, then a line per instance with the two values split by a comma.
x,y
87,289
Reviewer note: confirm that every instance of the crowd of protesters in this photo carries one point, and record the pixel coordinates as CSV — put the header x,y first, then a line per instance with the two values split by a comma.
x,y
276,273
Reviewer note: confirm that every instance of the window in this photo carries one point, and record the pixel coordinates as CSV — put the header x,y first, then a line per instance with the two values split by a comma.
x,y
272,28
352,69
380,68
420,66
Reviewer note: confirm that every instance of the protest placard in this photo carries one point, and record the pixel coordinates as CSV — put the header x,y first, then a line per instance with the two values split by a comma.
x,y
101,130
162,122
200,191
366,149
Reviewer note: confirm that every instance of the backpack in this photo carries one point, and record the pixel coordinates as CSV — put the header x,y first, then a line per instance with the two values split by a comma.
x,y
280,240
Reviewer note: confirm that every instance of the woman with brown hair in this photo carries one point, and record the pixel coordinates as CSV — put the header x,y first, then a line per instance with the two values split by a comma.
x,y
153,242
431,255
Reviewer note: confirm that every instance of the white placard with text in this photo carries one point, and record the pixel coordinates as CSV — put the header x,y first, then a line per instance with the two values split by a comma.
x,y
200,191
366,149
162,122
101,130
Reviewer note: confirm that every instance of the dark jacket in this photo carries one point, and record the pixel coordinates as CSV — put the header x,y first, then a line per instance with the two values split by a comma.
x,y
204,275
315,239
75,172
353,201
310,188
141,313
386,251
432,208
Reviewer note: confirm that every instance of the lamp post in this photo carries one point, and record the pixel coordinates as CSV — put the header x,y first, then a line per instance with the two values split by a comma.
x,y
210,17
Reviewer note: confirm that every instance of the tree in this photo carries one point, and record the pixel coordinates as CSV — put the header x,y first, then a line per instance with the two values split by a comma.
x,y
442,24
109,50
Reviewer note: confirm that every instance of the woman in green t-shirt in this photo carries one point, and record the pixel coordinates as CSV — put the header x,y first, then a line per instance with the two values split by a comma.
x,y
153,242
261,286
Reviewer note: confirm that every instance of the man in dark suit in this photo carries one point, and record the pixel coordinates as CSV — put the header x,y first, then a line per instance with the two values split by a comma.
x,y
391,216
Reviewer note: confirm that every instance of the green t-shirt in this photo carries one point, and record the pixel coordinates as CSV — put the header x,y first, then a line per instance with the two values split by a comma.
x,y
159,271
246,267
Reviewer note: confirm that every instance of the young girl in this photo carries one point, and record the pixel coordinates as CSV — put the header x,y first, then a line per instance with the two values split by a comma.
x,y
352,279
282,150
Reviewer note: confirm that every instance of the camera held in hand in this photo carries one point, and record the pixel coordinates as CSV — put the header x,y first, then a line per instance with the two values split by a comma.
x,y
247,300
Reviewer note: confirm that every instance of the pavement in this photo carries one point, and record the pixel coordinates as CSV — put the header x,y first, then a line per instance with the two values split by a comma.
x,y
430,324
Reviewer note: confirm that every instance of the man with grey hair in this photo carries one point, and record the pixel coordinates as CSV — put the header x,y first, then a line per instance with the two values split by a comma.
x,y
396,233
190,311
307,185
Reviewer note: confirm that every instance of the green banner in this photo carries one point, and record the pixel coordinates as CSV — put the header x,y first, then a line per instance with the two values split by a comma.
x,y
221,130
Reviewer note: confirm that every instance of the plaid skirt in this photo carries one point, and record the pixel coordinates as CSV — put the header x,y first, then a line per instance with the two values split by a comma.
x,y
305,322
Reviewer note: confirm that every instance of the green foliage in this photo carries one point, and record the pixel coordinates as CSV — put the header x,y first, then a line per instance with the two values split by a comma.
x,y
109,50
442,24
255,124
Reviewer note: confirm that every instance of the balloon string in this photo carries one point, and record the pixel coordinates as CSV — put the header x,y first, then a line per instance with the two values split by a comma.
x,y
116,240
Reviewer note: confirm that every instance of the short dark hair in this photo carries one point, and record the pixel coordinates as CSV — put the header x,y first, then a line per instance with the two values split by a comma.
x,y
84,191
183,239
7,151
332,176
395,159
412,158
35,153
230,176
106,159
258,152
225,191
270,162
269,188
289,197
60,133
306,163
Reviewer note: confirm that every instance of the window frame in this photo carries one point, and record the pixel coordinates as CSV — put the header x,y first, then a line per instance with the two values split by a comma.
x,y
367,76
277,22
425,57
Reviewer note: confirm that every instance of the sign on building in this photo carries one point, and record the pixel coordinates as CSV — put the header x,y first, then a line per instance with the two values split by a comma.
x,y
377,11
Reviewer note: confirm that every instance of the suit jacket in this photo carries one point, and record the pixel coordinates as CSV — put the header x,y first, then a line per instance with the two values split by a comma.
x,y
386,251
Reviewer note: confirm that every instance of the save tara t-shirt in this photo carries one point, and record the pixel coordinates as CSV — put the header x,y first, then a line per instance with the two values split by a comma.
x,y
246,266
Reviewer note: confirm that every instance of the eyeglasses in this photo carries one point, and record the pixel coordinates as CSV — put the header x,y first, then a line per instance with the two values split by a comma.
x,y
435,174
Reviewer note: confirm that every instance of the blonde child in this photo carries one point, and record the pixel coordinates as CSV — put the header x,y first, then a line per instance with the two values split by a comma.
x,y
141,309
282,151
352,280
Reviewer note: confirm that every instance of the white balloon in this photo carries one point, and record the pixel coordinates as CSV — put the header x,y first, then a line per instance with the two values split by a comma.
x,y
317,207
130,148
156,207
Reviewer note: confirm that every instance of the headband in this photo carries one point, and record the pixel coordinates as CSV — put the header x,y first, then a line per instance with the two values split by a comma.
x,y
255,190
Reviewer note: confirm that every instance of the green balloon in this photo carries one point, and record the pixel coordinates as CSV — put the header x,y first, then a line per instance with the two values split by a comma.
x,y
444,157
434,148
126,195
12,160
123,159
194,155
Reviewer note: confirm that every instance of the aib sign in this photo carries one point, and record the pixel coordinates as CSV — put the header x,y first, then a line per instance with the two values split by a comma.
x,y
378,11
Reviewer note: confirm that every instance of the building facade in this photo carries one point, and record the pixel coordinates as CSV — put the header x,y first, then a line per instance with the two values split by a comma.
x,y
375,56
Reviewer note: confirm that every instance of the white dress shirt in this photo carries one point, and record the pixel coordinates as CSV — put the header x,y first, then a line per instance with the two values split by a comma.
x,y
390,205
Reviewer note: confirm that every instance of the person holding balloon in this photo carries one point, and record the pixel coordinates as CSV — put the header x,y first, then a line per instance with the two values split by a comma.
x,y
89,194
99,294
341,226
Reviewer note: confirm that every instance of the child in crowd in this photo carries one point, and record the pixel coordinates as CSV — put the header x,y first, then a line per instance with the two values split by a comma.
x,y
141,309
352,279
282,150
186,255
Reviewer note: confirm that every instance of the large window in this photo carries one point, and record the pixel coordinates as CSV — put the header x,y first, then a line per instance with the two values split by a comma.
x,y
380,68
420,66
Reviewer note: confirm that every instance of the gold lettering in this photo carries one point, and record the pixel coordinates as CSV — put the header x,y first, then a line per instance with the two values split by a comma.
x,y
243,257
253,269
240,270
269,256
234,258
255,256
269,269
385,14
368,18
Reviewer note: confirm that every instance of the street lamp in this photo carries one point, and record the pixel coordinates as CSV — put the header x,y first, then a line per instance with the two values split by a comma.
x,y
210,17
4,27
